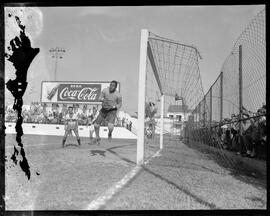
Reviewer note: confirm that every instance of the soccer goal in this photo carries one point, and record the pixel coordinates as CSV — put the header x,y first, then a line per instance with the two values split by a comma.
x,y
169,87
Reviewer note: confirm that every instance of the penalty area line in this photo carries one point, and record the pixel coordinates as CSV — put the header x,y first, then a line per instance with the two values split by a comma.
x,y
101,201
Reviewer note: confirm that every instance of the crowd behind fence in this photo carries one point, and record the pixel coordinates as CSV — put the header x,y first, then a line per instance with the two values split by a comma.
x,y
41,113
232,115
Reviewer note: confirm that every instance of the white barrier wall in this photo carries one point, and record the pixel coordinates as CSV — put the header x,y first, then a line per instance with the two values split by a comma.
x,y
58,130
167,126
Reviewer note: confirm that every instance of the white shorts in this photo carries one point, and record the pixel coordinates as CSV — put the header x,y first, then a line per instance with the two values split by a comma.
x,y
72,126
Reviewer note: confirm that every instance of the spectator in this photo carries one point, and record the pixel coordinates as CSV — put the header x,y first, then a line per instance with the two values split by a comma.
x,y
148,132
64,110
150,110
130,125
49,115
262,110
235,134
123,122
77,109
44,106
126,123
55,114
83,116
84,111
255,137
228,141
246,140
40,118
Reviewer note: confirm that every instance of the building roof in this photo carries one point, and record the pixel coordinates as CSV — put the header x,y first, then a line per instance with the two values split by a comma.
x,y
178,108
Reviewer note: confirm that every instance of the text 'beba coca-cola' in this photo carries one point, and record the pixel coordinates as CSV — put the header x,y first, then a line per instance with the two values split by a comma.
x,y
86,93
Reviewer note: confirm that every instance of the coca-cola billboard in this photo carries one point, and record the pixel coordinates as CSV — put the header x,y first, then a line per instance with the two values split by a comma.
x,y
72,92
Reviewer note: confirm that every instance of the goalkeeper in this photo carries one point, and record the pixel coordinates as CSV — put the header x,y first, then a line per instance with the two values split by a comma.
x,y
111,102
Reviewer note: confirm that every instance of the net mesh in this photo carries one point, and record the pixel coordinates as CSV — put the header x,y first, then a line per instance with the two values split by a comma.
x,y
178,69
172,71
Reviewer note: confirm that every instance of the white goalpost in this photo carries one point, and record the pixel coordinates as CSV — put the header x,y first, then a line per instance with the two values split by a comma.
x,y
141,95
144,51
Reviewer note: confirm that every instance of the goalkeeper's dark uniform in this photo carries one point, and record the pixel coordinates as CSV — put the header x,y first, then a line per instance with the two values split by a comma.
x,y
111,103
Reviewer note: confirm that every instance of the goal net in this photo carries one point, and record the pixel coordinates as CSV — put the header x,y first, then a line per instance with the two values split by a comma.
x,y
169,88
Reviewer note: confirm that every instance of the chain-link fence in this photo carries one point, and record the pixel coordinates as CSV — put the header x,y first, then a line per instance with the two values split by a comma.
x,y
232,114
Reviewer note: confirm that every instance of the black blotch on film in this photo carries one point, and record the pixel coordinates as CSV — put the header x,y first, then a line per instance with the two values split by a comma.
x,y
21,58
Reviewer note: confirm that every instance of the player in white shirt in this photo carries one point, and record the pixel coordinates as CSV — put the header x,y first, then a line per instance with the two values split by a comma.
x,y
91,120
71,123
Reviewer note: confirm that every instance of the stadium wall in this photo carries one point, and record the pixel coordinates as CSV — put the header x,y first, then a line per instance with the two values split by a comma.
x,y
58,130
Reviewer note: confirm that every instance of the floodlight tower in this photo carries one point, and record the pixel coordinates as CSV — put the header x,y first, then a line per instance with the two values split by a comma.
x,y
56,53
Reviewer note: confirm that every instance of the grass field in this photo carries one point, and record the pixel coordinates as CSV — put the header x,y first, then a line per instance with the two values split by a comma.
x,y
66,178
74,178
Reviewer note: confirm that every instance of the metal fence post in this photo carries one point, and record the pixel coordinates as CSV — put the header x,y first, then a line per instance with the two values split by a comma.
x,y
204,111
240,88
221,96
196,117
210,108
161,120
199,114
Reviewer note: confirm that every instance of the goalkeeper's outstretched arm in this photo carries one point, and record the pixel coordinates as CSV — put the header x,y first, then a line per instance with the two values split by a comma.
x,y
119,103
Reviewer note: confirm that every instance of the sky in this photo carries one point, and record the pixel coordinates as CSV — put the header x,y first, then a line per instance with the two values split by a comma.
x,y
103,43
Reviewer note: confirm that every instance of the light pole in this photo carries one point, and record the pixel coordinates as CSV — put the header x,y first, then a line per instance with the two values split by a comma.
x,y
56,53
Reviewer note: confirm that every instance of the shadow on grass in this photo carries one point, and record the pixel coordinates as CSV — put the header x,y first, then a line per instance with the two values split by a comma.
x,y
119,156
236,165
182,189
98,152
195,167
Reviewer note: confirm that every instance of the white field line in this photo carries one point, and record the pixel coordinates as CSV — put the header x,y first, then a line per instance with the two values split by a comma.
x,y
100,201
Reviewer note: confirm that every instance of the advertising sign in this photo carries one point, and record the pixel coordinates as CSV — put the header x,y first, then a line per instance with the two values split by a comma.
x,y
72,92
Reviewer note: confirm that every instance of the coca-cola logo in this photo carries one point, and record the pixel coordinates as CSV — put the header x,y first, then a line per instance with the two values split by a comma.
x,y
84,93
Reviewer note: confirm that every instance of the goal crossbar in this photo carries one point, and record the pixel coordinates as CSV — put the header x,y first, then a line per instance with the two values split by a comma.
x,y
151,59
176,43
